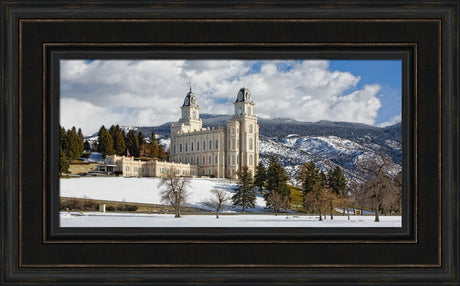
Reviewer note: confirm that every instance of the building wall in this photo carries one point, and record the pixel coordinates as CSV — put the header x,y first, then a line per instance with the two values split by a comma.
x,y
153,168
204,148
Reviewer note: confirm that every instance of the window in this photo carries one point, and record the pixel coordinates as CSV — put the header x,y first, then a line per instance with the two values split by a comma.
x,y
204,145
127,169
217,143
180,148
162,170
191,146
237,144
198,161
191,160
198,146
228,144
233,143
250,160
228,159
174,149
233,159
250,143
185,160
250,128
204,160
216,160
176,171
210,160
186,147
210,144
233,130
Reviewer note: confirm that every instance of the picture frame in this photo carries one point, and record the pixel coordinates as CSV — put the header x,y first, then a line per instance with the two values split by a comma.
x,y
37,35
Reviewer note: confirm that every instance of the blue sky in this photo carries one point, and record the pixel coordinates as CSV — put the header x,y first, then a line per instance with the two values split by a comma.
x,y
150,92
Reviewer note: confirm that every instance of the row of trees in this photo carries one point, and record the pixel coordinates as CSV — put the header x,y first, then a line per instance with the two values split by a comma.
x,y
71,147
322,192
115,141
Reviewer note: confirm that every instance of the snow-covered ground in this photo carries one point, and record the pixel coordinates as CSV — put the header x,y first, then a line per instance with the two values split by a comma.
x,y
146,190
227,220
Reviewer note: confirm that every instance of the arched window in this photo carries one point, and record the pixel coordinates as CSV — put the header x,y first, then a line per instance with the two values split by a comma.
x,y
191,146
191,160
216,160
204,145
250,128
198,161
186,147
251,160
204,160
250,143
198,146
185,160
217,143
180,147
233,159
210,144
174,149
210,160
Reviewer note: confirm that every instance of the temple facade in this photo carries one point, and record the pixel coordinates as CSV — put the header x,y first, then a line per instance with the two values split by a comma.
x,y
218,152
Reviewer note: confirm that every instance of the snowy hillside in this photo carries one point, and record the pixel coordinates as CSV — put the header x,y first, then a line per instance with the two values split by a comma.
x,y
328,144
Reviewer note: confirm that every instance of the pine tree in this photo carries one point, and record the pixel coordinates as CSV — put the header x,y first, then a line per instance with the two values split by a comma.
x,y
337,181
73,144
132,143
277,180
86,145
119,144
80,134
105,142
62,137
244,196
63,162
162,154
141,138
260,177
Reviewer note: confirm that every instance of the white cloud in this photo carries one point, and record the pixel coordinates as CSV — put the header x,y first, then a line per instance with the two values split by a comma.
x,y
150,92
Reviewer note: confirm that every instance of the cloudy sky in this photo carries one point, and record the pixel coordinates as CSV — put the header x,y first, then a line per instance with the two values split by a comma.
x,y
150,92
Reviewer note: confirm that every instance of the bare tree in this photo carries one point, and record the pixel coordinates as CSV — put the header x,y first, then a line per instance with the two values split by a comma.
x,y
277,201
218,200
379,189
175,192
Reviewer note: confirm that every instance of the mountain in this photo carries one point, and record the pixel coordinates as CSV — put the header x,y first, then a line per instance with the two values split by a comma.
x,y
326,143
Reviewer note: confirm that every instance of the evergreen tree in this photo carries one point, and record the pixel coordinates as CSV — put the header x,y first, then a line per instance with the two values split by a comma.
x,y
63,163
105,142
260,177
277,179
310,177
119,144
62,137
337,181
73,144
162,153
80,134
86,145
244,196
132,143
141,138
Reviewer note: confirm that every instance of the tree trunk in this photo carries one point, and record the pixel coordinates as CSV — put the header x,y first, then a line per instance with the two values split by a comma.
x,y
332,209
320,216
217,214
377,218
348,213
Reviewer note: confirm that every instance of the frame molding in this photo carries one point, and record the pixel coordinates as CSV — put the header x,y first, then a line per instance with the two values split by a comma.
x,y
17,139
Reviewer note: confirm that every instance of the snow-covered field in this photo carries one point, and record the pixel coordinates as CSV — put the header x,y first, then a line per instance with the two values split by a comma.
x,y
146,190
227,220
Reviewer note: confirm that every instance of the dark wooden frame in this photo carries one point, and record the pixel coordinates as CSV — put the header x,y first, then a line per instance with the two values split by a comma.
x,y
35,35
